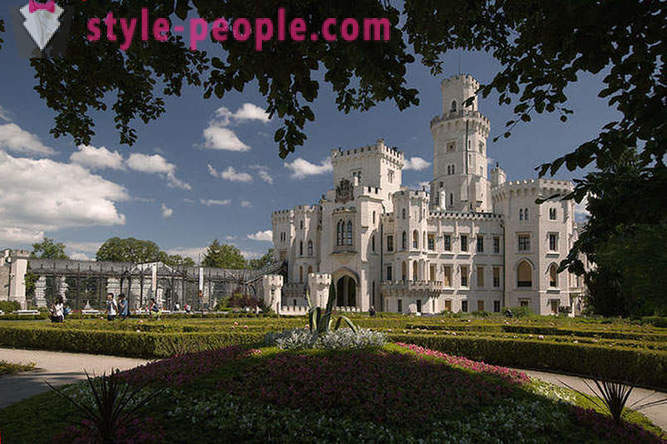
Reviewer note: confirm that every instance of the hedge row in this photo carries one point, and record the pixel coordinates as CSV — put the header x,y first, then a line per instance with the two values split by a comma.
x,y
642,367
119,343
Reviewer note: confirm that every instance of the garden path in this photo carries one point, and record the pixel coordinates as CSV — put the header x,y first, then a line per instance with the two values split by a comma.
x,y
64,368
56,367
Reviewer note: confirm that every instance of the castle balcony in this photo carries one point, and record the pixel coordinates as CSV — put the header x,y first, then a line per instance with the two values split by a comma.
x,y
411,288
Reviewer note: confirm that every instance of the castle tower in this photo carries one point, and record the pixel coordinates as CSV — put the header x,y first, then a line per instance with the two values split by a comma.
x,y
459,149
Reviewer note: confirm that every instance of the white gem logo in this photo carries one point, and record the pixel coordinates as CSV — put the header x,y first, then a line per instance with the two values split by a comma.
x,y
41,21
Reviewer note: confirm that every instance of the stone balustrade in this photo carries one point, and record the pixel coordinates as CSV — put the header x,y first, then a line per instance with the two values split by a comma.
x,y
396,288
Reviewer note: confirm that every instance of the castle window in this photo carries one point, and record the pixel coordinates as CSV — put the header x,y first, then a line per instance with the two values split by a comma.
x,y
340,233
480,277
404,271
441,184
524,273
525,214
464,275
451,147
390,176
310,269
451,199
553,241
390,243
481,148
520,213
389,276
431,242
552,213
496,277
464,306
300,275
301,225
447,272
399,307
348,239
480,244
310,248
373,243
403,213
404,241
448,242
524,242
481,171
415,271
453,107
415,239
496,244
301,248
373,217
496,306
464,242
553,275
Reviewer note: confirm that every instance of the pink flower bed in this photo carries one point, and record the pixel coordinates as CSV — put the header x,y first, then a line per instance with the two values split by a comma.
x,y
382,386
183,369
477,366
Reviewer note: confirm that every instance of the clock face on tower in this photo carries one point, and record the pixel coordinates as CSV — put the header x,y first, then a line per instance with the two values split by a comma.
x,y
344,191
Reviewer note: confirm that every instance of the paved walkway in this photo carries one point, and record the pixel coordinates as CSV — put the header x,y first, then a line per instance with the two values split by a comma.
x,y
56,367
64,368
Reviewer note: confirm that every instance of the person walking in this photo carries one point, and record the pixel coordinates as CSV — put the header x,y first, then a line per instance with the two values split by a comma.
x,y
58,310
112,307
123,307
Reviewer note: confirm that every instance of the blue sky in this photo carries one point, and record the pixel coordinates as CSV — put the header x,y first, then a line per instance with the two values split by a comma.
x,y
172,187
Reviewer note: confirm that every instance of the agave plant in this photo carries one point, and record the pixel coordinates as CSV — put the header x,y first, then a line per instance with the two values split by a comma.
x,y
114,402
320,322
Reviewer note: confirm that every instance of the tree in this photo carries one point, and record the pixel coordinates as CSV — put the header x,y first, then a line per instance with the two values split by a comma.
x,y
258,264
48,249
622,237
134,250
223,256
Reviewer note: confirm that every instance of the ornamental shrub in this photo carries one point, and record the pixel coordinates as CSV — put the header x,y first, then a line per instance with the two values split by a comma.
x,y
341,339
9,306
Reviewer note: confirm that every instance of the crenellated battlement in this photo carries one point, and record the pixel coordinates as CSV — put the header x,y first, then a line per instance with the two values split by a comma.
x,y
465,79
458,215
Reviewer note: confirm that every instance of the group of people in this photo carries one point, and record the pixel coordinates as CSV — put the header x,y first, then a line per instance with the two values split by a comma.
x,y
114,308
59,310
120,308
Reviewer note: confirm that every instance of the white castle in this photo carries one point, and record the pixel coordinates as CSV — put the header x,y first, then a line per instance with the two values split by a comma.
x,y
470,243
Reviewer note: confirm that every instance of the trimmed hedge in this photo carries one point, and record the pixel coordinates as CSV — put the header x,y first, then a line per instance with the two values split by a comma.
x,y
642,367
121,343
9,306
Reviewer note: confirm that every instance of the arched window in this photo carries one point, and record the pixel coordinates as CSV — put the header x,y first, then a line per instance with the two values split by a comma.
x,y
415,271
374,217
310,269
553,275
301,225
373,243
415,239
404,271
520,213
300,274
403,213
301,248
524,273
424,240
453,108
525,214
453,169
404,241
310,248
481,148
348,239
339,233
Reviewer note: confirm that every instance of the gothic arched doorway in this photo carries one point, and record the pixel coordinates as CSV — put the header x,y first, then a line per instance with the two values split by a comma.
x,y
346,292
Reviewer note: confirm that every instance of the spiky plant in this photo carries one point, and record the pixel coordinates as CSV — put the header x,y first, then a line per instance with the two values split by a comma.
x,y
114,402
320,322
613,396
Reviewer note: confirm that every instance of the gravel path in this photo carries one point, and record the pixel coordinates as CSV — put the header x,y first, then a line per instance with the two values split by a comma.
x,y
64,368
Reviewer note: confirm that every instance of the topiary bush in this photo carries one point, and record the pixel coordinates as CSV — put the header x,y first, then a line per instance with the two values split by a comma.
x,y
9,306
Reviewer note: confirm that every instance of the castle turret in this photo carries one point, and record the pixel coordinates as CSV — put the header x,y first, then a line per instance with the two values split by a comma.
x,y
459,148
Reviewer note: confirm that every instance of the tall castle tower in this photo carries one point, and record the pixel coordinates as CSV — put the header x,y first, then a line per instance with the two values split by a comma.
x,y
460,181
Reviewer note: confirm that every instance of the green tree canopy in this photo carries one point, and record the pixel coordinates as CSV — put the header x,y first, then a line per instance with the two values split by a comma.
x,y
134,250
48,249
223,256
259,263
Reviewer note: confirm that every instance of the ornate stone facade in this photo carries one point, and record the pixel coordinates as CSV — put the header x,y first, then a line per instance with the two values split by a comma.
x,y
470,243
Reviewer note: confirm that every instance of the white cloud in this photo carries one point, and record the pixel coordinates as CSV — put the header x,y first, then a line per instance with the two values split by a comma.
x,y
196,253
13,138
217,137
156,164
166,211
5,114
424,184
229,238
97,158
302,168
416,163
263,173
86,247
44,195
246,204
78,256
581,214
266,236
249,111
211,202
235,176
